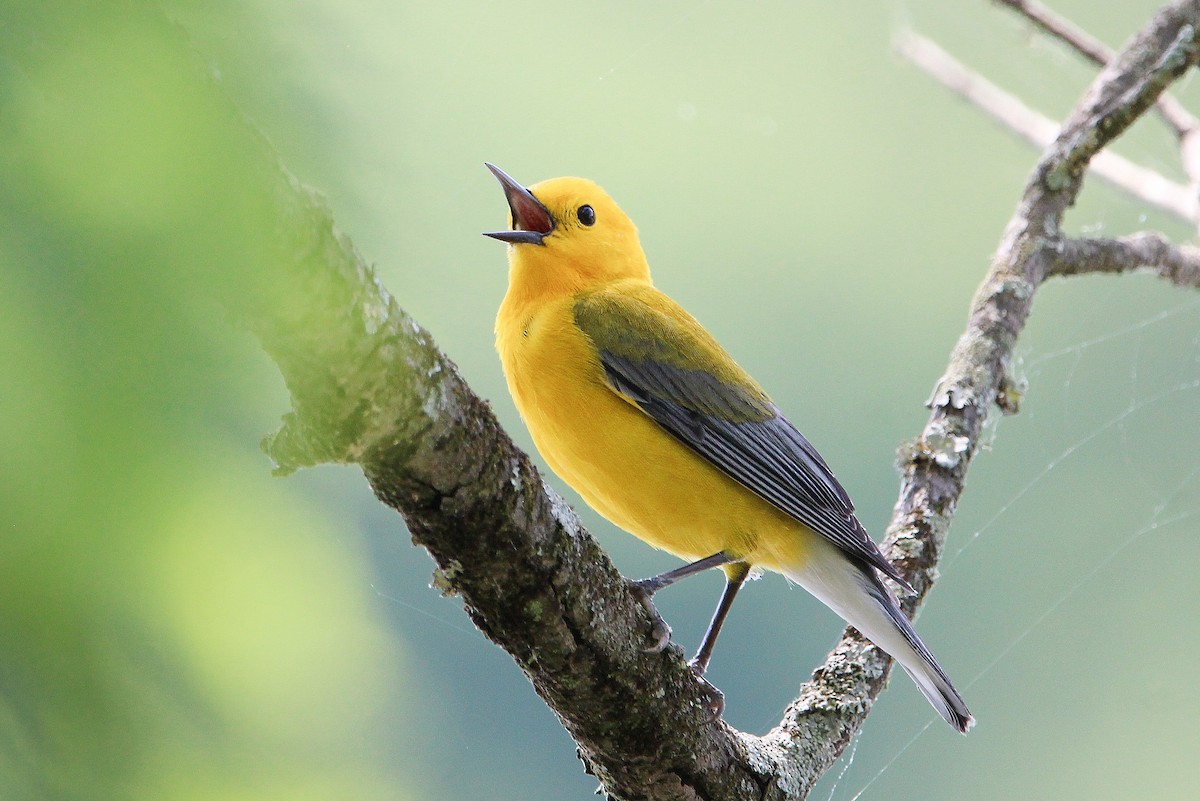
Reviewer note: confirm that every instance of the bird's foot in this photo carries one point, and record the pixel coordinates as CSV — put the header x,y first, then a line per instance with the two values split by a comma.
x,y
716,698
660,632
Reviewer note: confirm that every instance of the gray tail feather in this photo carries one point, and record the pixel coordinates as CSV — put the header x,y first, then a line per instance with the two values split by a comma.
x,y
928,674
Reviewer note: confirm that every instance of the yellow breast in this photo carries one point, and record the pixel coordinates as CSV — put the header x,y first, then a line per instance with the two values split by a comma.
x,y
617,458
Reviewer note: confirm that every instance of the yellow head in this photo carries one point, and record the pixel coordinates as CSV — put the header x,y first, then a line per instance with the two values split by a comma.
x,y
567,235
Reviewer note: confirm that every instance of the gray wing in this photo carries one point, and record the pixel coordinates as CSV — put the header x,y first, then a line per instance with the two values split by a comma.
x,y
732,424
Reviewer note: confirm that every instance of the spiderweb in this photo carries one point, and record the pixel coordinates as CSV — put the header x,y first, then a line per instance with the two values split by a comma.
x,y
1084,498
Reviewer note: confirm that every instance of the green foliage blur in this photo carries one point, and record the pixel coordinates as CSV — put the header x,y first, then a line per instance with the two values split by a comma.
x,y
173,622
177,623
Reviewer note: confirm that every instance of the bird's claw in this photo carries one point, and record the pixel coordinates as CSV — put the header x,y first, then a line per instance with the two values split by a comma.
x,y
660,632
716,698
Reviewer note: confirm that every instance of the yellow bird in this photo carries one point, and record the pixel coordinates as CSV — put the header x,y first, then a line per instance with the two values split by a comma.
x,y
635,405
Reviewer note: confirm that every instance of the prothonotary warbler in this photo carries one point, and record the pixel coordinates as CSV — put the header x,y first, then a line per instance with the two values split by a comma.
x,y
636,406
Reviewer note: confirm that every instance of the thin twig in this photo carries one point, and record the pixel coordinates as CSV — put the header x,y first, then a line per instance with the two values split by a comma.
x,y
935,467
1144,184
1062,28
1185,125
1173,113
1142,252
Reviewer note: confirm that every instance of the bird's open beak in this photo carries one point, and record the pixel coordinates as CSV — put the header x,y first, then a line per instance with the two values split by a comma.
x,y
530,219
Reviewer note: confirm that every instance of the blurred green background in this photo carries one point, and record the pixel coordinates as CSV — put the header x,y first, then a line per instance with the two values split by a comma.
x,y
176,623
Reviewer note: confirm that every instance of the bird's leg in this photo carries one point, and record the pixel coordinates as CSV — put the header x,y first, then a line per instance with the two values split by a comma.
x,y
735,577
655,583
644,589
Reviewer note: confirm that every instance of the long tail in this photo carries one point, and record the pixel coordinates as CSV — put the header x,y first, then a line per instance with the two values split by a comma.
x,y
858,595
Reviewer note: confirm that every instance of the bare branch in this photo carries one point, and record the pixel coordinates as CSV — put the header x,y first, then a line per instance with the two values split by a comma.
x,y
1063,29
1142,252
1182,122
838,698
1144,184
1173,113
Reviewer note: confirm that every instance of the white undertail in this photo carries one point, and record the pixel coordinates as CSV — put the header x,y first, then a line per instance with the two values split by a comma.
x,y
860,597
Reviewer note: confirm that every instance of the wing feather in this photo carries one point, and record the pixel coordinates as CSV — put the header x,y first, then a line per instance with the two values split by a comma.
x,y
662,361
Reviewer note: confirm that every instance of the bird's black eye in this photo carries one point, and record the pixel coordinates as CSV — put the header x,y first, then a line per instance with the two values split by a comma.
x,y
586,215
